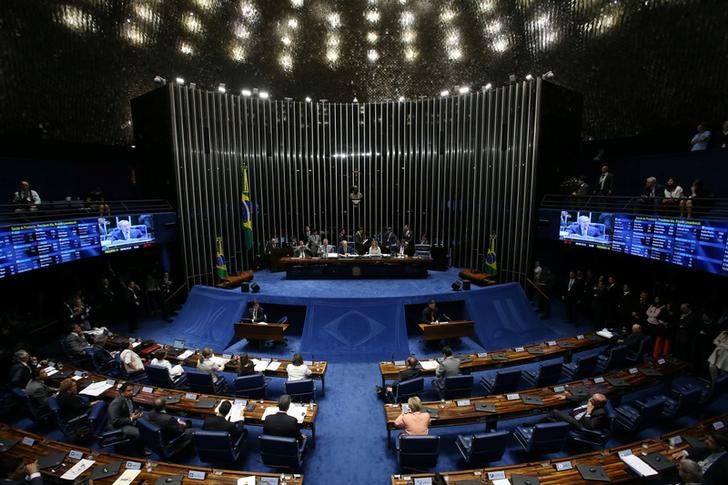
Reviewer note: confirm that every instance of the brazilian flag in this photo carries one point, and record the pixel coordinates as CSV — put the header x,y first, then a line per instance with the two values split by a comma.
x,y
491,267
220,266
247,213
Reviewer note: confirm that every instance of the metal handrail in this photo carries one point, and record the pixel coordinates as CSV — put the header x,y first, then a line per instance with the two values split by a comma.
x,y
705,208
536,287
60,209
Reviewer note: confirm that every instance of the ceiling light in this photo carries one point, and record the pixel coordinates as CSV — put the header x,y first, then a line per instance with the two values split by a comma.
x,y
160,80
464,90
444,93
263,95
179,80
487,87
308,99
246,92
401,99
548,75
372,55
529,77
221,88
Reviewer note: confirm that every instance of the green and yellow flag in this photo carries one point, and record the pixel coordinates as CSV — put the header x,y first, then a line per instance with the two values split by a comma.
x,y
247,213
220,266
491,267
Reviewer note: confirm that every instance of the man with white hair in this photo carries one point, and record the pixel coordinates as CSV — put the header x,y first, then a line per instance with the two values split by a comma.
x,y
26,199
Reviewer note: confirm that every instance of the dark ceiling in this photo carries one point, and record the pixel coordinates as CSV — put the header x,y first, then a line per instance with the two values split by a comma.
x,y
69,67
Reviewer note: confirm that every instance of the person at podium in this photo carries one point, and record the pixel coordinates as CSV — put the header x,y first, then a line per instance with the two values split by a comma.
x,y
431,313
256,313
301,251
325,249
374,249
344,248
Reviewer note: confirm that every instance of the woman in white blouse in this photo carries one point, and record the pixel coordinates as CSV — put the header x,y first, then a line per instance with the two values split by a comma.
x,y
297,370
673,193
374,249
160,359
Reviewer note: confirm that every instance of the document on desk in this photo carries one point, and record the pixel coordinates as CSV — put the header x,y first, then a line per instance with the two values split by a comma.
x,y
95,389
127,477
605,333
246,480
429,364
502,481
219,360
638,466
77,469
237,411
50,371
185,355
273,366
296,411
260,365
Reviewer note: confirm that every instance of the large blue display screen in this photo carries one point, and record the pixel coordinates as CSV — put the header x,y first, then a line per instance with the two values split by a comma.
x,y
31,246
696,244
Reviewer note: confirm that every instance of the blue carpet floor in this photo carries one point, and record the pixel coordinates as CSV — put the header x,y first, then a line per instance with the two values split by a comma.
x,y
351,435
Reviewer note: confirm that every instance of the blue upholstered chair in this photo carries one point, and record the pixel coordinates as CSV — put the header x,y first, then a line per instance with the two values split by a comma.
x,y
159,376
202,382
614,357
595,437
418,452
301,391
682,401
502,381
542,437
82,427
638,414
455,387
151,435
281,452
579,367
217,446
544,375
643,349
482,447
406,389
253,386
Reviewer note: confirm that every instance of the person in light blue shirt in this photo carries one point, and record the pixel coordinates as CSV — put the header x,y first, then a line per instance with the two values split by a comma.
x,y
701,139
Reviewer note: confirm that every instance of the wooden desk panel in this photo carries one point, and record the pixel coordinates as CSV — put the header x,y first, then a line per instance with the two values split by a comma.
x,y
545,471
357,267
450,414
158,469
563,347
357,261
257,331
449,330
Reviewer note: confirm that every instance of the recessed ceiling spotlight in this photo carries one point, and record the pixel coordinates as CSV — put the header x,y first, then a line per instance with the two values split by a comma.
x,y
529,77
246,92
179,80
444,93
221,88
308,99
464,90
263,95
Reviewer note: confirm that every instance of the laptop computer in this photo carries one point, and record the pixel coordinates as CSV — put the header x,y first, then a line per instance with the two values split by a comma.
x,y
54,460
206,403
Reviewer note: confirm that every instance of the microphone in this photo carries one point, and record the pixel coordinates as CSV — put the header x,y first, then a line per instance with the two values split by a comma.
x,y
446,316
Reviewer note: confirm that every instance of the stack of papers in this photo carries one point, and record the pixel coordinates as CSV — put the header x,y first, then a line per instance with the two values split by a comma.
x,y
273,366
260,364
127,477
237,411
219,360
296,410
605,333
429,364
247,480
50,371
185,355
95,389
77,469
637,465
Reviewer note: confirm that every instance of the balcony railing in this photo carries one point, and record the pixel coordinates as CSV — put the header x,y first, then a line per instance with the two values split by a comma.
x,y
62,209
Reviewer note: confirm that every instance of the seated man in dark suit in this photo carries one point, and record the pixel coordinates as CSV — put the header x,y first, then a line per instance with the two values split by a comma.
x,y
125,232
712,459
344,247
21,370
256,313
219,422
632,341
281,424
171,427
301,251
14,471
122,415
591,415
431,313
38,392
584,228
413,370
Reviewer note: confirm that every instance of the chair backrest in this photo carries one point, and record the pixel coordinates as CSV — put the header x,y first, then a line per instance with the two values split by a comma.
x,y
252,386
200,381
548,374
690,398
409,388
278,451
159,376
458,386
300,389
585,365
651,410
506,380
549,437
488,446
418,451
214,446
152,437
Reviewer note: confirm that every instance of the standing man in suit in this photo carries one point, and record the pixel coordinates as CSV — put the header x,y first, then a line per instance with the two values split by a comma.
x,y
22,369
325,249
122,415
132,304
281,424
256,313
360,240
171,427
590,415
407,234
219,422
431,313
389,239
571,296
605,182
712,459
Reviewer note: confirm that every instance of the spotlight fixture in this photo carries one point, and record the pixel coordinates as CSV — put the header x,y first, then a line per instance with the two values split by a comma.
x,y
263,95
355,100
308,99
548,75
444,93
512,78
193,85
255,288
529,77
401,99
464,89
221,88
487,87
457,285
160,80
246,92
179,80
